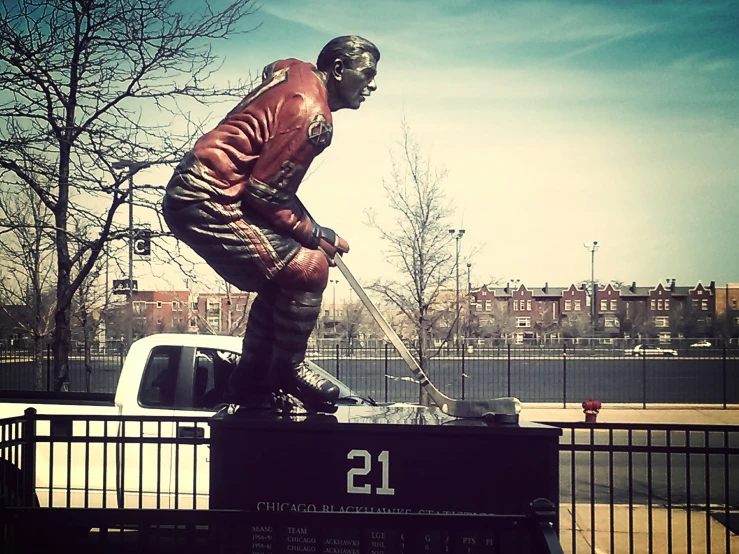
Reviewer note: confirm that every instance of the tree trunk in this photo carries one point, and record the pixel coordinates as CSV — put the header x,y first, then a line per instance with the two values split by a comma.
x,y
38,363
60,348
87,332
62,316
423,397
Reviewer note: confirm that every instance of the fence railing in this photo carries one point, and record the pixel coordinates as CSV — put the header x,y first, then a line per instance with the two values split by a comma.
x,y
623,487
31,368
563,374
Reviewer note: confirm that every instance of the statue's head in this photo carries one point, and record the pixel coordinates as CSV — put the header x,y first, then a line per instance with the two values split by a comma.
x,y
350,66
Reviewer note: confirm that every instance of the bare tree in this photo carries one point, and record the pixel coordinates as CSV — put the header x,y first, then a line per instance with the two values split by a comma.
x,y
417,241
89,82
27,263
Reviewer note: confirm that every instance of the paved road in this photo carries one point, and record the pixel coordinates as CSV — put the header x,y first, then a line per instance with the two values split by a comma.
x,y
624,478
542,379
619,380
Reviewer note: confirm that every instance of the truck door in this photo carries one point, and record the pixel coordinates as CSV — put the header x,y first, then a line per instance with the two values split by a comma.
x,y
144,458
200,394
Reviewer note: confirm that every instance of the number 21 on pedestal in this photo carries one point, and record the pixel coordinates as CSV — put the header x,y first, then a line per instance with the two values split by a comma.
x,y
384,459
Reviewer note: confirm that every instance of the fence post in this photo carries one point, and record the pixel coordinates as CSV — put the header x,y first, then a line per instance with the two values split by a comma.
x,y
564,375
337,361
723,368
48,367
28,457
462,372
387,377
509,369
643,380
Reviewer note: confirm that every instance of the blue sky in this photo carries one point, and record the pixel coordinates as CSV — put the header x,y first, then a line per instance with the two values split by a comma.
x,y
559,123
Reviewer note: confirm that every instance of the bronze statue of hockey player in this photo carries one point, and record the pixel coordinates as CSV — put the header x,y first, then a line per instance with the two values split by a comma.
x,y
232,199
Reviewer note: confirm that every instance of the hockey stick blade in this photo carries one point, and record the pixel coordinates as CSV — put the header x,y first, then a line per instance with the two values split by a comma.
x,y
506,406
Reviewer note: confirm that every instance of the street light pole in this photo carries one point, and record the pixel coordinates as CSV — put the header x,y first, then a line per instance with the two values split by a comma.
x,y
457,237
132,167
334,282
593,314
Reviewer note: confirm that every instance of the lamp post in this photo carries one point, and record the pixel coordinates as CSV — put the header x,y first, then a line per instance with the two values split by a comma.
x,y
457,234
334,283
592,248
132,167
469,293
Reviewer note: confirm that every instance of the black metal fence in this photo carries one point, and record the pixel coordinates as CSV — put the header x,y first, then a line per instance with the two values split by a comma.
x,y
633,488
30,368
547,373
623,487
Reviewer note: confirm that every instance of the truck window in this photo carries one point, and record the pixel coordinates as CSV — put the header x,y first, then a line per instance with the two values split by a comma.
x,y
160,377
210,381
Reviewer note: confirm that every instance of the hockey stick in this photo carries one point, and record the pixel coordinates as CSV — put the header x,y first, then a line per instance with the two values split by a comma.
x,y
507,408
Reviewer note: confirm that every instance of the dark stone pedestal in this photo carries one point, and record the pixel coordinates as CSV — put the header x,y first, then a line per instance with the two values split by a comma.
x,y
398,459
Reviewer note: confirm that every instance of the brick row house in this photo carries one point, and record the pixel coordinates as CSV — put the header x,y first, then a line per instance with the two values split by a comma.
x,y
664,311
181,312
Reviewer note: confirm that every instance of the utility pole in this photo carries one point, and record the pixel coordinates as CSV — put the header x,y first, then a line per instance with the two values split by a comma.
x,y
132,167
457,234
469,293
593,314
334,282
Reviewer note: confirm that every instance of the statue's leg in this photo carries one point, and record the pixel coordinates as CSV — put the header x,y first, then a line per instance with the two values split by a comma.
x,y
249,384
296,312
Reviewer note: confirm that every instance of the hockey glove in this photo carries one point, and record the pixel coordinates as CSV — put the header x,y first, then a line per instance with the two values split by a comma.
x,y
331,243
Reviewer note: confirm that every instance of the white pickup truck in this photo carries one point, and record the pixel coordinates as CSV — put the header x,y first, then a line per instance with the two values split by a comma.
x,y
169,385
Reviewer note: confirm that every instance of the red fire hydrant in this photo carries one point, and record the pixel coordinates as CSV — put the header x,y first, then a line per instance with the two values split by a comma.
x,y
591,408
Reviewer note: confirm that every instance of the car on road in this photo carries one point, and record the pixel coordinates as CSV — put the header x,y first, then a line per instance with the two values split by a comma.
x,y
701,344
649,350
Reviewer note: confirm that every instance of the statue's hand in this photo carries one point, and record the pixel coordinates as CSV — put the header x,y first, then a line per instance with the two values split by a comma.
x,y
331,244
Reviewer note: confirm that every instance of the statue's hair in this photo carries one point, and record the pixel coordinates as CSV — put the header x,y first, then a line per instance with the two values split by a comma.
x,y
347,48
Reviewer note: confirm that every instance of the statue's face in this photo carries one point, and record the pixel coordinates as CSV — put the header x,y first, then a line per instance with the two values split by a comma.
x,y
357,82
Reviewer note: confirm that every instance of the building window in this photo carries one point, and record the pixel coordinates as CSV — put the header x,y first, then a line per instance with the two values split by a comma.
x,y
194,306
736,321
139,307
176,306
478,307
667,304
578,305
488,305
568,305
528,305
214,322
159,304
659,305
661,321
653,304
554,310
610,321
696,303
192,322
664,337
733,303
699,292
603,305
515,305
613,305
523,322
704,305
